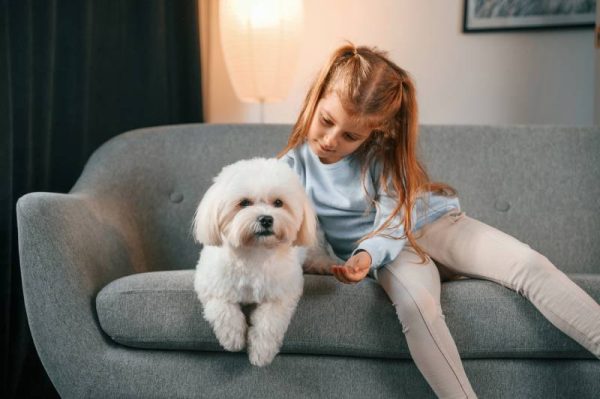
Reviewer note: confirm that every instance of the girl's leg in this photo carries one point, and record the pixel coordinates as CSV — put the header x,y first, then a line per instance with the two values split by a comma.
x,y
472,248
414,289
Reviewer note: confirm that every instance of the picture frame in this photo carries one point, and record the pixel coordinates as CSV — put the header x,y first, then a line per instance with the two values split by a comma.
x,y
506,15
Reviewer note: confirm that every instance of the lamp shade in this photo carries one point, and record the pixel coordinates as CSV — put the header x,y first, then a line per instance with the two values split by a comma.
x,y
261,41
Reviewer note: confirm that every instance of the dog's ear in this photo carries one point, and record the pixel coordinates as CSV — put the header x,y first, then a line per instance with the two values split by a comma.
x,y
307,235
206,227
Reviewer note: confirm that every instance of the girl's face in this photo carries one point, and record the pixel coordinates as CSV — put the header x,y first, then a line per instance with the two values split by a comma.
x,y
332,134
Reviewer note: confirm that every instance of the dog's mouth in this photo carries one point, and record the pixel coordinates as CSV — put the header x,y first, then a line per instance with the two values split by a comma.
x,y
264,233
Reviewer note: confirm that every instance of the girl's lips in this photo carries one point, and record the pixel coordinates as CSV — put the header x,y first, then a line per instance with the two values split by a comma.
x,y
324,150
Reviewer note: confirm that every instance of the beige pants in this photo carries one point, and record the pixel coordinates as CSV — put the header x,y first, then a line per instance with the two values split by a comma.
x,y
462,246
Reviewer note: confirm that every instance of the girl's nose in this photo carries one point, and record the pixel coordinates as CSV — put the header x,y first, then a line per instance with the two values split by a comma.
x,y
329,141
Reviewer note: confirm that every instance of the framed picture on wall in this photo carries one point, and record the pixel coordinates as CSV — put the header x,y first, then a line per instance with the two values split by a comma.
x,y
498,15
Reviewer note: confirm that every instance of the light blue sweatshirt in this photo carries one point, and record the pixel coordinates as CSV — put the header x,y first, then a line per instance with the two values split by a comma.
x,y
343,209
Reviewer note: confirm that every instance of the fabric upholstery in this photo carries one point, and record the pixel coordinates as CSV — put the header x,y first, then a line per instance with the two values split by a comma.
x,y
547,177
160,310
130,214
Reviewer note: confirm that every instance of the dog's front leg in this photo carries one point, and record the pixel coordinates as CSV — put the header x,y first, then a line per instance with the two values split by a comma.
x,y
319,257
228,323
269,322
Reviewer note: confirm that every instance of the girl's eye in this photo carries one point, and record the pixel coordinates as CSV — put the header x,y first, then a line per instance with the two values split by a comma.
x,y
326,122
278,203
349,137
245,202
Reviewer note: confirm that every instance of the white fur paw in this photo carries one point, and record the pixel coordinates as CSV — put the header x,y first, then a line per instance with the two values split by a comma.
x,y
228,323
261,350
233,340
318,265
318,258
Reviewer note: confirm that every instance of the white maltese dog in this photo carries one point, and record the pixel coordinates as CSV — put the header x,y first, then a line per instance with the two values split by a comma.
x,y
252,222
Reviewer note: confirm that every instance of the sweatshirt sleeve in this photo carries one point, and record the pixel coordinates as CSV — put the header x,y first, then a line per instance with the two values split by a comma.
x,y
384,249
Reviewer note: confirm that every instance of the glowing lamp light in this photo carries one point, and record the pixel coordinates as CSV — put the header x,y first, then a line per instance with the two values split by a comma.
x,y
260,41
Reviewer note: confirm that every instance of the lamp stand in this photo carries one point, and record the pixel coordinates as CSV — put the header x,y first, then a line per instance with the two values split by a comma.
x,y
261,104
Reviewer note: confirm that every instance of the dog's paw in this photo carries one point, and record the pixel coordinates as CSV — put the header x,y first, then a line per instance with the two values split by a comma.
x,y
261,349
228,323
233,340
320,265
260,359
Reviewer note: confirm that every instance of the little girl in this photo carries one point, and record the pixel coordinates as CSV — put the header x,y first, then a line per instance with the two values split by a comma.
x,y
354,148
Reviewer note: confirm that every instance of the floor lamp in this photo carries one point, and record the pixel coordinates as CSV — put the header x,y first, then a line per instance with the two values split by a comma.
x,y
261,41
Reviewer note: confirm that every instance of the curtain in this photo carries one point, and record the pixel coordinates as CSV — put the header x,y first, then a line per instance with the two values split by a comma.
x,y
73,74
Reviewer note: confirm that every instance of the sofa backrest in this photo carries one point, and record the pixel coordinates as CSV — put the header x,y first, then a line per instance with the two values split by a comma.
x,y
540,184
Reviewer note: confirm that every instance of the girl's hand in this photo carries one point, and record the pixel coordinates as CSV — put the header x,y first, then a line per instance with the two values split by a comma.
x,y
355,269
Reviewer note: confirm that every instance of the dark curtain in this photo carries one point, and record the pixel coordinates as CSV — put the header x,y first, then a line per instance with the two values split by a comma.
x,y
73,74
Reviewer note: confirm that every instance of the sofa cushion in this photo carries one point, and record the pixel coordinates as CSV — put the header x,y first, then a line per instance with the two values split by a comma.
x,y
160,310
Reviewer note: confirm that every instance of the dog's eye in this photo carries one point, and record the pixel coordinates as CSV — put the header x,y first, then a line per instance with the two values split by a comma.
x,y
245,202
278,203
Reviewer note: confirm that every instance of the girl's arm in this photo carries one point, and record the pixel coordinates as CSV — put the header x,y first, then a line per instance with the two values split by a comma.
x,y
385,249
376,251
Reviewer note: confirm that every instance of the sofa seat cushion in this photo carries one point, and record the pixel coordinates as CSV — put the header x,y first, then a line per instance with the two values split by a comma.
x,y
160,310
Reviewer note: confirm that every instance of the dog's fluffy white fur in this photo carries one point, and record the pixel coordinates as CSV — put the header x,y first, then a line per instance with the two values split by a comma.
x,y
253,222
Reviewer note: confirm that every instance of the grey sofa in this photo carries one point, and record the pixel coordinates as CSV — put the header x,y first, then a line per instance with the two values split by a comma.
x,y
107,273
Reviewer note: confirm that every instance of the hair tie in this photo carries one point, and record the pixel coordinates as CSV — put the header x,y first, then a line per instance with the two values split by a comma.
x,y
351,53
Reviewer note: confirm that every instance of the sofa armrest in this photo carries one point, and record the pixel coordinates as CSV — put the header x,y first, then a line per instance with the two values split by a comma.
x,y
70,246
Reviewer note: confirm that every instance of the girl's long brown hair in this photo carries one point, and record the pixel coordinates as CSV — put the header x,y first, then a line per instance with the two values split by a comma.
x,y
381,95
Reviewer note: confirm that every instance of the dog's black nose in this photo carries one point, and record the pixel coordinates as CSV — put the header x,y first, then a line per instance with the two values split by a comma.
x,y
265,221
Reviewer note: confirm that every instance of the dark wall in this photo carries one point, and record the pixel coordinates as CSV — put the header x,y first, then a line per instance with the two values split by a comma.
x,y
73,74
